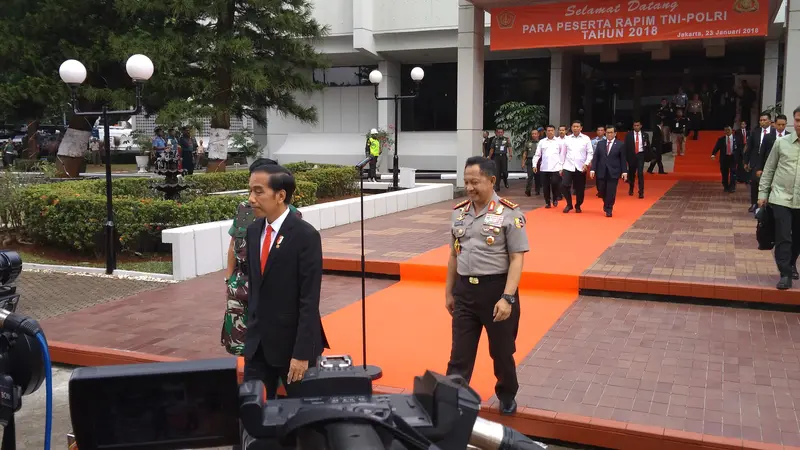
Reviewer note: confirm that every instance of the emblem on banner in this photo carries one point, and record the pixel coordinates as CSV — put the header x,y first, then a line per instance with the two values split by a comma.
x,y
505,19
745,6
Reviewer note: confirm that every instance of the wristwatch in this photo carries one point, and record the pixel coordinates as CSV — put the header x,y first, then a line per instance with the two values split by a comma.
x,y
511,299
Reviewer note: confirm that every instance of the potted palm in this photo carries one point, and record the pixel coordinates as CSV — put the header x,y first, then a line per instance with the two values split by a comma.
x,y
145,145
244,143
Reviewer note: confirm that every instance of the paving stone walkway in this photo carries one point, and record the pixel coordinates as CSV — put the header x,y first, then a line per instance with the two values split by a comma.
x,y
181,320
50,294
401,236
694,233
721,371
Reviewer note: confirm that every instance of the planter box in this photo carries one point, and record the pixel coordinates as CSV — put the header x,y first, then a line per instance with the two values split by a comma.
x,y
203,248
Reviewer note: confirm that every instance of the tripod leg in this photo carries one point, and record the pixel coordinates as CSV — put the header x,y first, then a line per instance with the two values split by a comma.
x,y
9,435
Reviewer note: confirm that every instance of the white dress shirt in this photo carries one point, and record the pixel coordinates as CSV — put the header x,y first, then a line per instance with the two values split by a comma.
x,y
638,135
549,151
761,138
276,228
579,152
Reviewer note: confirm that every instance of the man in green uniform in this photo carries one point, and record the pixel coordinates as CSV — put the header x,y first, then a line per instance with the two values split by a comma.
x,y
488,244
527,164
501,153
373,151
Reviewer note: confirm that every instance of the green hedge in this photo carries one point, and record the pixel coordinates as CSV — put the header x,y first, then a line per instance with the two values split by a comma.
x,y
72,214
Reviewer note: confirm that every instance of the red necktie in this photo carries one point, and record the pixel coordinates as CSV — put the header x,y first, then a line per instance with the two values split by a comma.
x,y
637,142
265,248
608,150
730,152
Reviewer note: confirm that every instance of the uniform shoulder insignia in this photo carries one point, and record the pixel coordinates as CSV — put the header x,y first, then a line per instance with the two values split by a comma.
x,y
509,203
462,204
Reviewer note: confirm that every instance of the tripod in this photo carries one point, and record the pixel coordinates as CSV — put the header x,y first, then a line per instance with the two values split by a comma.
x,y
374,372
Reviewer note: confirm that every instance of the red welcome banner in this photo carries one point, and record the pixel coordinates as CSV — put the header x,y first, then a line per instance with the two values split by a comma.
x,y
597,22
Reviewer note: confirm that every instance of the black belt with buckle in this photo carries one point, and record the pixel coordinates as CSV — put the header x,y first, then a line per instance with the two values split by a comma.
x,y
484,278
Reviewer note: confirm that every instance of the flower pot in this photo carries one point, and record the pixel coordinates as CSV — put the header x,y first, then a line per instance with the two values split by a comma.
x,y
141,163
251,160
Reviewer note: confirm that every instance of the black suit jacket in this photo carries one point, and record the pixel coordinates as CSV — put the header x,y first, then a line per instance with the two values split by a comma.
x,y
615,160
757,154
283,304
658,141
630,146
721,147
742,142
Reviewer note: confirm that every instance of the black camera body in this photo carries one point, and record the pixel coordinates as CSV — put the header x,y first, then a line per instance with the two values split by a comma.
x,y
199,404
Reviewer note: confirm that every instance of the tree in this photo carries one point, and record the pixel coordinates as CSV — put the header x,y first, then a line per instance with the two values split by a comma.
x,y
252,55
40,34
519,119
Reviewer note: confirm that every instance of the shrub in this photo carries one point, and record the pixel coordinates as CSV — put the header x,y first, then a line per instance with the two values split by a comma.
x,y
72,214
332,181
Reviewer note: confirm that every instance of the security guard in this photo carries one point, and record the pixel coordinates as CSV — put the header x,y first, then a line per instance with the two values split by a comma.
x,y
488,243
500,153
373,151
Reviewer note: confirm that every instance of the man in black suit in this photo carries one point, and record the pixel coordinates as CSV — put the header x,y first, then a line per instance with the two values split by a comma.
x,y
726,146
742,138
658,149
284,254
637,152
608,163
758,148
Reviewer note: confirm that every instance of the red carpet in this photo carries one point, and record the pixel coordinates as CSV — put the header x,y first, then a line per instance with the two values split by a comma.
x,y
408,328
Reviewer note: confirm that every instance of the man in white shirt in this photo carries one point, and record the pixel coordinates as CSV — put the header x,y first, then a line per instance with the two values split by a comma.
x,y
575,161
549,151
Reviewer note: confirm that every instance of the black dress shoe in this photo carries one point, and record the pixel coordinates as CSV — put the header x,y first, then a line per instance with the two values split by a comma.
x,y
508,409
641,195
630,192
795,275
578,210
555,202
663,173
547,206
528,193
567,209
784,283
608,214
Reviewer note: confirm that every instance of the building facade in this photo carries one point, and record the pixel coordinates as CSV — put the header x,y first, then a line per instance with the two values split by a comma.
x,y
602,61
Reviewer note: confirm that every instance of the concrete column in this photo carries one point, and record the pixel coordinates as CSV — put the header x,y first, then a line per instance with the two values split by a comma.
x,y
389,87
791,67
469,119
560,87
769,93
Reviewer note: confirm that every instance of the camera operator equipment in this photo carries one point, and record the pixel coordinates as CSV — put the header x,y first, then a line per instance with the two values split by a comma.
x,y
194,404
24,357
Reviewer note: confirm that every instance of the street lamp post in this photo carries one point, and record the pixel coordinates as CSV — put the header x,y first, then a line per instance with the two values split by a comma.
x,y
375,77
73,73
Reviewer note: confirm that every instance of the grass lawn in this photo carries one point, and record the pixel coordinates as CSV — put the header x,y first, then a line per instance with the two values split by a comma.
x,y
139,266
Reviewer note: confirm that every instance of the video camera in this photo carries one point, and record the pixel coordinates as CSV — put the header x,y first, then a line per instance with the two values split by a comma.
x,y
200,404
22,361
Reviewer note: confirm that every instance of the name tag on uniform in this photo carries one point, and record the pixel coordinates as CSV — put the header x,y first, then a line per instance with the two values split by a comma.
x,y
494,220
502,148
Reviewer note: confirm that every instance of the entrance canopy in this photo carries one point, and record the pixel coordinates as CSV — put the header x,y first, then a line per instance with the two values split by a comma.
x,y
525,24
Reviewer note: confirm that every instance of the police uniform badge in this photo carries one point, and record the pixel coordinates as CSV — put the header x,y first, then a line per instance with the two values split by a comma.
x,y
518,222
490,240
509,203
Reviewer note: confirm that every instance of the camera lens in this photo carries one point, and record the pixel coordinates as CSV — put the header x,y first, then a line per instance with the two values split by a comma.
x,y
10,267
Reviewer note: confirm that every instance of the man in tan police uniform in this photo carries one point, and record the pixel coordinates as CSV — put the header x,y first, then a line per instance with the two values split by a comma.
x,y
488,243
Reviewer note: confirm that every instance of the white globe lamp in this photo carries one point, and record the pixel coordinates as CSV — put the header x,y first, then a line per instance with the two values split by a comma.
x,y
139,68
72,72
417,74
375,77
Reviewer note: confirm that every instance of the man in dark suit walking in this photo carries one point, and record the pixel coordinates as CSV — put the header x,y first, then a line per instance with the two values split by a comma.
x,y
284,255
726,147
608,163
658,149
637,151
761,140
